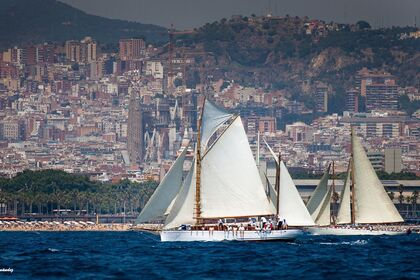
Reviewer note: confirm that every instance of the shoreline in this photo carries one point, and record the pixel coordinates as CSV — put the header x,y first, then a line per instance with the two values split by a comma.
x,y
74,226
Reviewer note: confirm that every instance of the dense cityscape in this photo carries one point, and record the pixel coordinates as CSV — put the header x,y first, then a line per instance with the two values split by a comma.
x,y
120,115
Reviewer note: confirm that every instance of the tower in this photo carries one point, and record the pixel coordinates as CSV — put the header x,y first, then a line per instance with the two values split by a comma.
x,y
135,130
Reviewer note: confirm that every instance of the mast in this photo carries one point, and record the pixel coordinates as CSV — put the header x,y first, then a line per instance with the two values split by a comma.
x,y
353,193
257,156
198,170
278,186
333,190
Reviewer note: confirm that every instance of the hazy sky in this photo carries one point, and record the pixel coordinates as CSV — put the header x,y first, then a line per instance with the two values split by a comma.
x,y
193,13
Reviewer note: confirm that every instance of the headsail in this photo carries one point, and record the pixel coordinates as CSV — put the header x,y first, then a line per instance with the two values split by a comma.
x,y
182,209
372,203
324,216
230,182
212,119
319,195
165,192
291,206
344,211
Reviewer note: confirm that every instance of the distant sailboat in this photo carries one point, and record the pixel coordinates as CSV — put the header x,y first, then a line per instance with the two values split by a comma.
x,y
290,203
223,182
368,203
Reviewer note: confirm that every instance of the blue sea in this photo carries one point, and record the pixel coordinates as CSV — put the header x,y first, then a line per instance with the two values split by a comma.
x,y
139,255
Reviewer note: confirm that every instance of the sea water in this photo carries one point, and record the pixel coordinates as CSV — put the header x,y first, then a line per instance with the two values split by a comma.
x,y
139,255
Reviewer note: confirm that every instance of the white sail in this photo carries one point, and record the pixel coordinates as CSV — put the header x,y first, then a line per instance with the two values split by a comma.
x,y
164,193
372,203
230,182
271,192
212,119
182,210
324,215
318,196
344,211
291,206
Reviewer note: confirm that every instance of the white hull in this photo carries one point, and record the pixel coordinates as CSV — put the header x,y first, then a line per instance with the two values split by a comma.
x,y
350,231
216,235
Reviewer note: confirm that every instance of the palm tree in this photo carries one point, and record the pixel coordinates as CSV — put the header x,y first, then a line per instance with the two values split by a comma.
x,y
414,198
401,196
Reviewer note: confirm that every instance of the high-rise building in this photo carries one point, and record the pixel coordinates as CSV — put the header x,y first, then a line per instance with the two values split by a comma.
x,y
132,49
88,50
377,160
352,100
73,51
381,97
366,77
135,130
321,97
84,51
393,160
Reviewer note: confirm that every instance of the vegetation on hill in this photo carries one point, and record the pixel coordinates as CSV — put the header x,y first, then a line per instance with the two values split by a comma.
x,y
43,191
278,53
37,21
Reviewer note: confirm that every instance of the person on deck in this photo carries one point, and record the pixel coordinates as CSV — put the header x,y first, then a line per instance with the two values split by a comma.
x,y
220,224
284,224
279,224
263,222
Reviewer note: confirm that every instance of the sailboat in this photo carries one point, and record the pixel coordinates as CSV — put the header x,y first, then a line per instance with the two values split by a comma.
x,y
364,201
289,201
223,183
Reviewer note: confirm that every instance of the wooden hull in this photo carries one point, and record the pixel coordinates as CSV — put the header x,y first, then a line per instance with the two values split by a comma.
x,y
350,231
217,236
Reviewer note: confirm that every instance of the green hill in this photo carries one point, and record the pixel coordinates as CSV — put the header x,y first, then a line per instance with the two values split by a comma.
x,y
27,21
279,53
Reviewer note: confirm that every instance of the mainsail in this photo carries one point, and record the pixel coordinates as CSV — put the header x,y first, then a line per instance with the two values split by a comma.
x,y
319,196
230,182
344,211
212,119
372,203
165,192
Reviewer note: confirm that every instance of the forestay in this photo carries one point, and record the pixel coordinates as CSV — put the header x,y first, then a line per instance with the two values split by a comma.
x,y
164,193
372,203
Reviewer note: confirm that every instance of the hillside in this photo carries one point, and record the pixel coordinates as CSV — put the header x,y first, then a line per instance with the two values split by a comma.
x,y
278,53
50,20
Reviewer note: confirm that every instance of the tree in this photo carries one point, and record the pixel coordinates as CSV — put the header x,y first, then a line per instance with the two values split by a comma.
x,y
363,25
401,196
414,198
